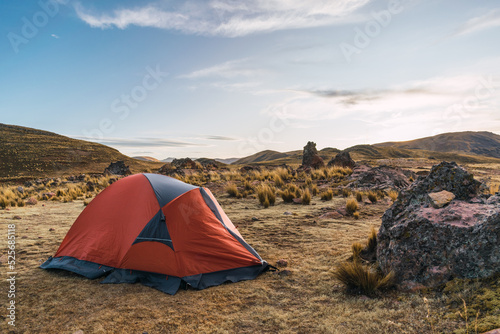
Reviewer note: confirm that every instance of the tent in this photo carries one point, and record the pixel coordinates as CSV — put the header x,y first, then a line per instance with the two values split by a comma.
x,y
158,231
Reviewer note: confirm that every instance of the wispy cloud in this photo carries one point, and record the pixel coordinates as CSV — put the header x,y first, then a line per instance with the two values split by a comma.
x,y
212,137
486,21
226,70
141,142
55,36
227,18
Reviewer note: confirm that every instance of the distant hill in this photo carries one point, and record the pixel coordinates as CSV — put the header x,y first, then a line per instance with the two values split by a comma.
x,y
145,158
28,153
462,147
227,161
479,143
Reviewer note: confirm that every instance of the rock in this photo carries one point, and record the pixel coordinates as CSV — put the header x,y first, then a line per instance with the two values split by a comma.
x,y
255,219
20,189
185,163
287,213
281,263
343,159
297,200
28,184
428,246
169,170
90,186
441,198
117,168
284,273
31,201
49,195
342,211
495,331
16,218
51,229
246,169
310,156
380,178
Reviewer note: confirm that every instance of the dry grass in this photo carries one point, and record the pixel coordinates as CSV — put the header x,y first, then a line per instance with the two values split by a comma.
x,y
232,190
306,301
351,205
494,188
362,277
266,195
393,194
306,197
372,196
327,195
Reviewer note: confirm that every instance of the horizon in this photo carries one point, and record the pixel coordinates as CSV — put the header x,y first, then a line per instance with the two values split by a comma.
x,y
225,80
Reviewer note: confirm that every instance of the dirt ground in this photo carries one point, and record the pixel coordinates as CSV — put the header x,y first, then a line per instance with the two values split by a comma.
x,y
306,300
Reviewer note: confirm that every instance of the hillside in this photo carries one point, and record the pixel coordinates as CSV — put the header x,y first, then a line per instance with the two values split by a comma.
x,y
28,153
478,143
146,158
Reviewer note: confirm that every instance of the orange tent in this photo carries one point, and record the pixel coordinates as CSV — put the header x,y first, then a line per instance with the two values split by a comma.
x,y
159,231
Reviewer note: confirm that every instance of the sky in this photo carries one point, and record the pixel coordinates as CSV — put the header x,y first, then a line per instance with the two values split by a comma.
x,y
227,78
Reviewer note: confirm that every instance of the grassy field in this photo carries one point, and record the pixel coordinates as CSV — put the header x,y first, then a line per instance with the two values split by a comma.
x,y
303,299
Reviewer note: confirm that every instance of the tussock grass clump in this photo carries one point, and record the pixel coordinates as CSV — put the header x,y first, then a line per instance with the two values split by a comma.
x,y
266,195
362,277
283,173
494,188
278,181
287,196
232,190
351,205
309,181
356,215
247,185
359,196
346,192
372,196
327,195
393,194
306,197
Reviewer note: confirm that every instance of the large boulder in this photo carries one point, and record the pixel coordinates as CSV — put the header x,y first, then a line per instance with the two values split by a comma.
x,y
117,168
425,243
184,163
380,178
310,157
343,159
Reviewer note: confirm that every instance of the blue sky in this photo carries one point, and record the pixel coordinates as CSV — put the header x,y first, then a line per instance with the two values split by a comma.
x,y
225,78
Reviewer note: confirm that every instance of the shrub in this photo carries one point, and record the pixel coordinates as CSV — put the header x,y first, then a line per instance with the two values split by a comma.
x,y
356,215
346,192
357,276
306,197
359,196
248,185
351,205
287,196
284,173
308,181
314,190
372,196
278,181
232,190
20,202
266,195
327,195
393,194
371,244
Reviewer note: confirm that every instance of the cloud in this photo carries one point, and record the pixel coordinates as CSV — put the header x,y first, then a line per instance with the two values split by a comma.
x,y
221,138
430,99
228,18
226,70
486,21
55,36
141,142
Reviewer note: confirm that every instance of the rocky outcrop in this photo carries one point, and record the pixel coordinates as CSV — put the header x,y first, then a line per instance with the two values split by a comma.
x,y
382,177
428,244
310,157
185,163
343,159
117,168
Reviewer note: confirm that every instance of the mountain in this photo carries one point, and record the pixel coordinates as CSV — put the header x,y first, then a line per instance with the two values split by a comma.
x,y
478,143
168,160
145,158
29,153
269,157
227,161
